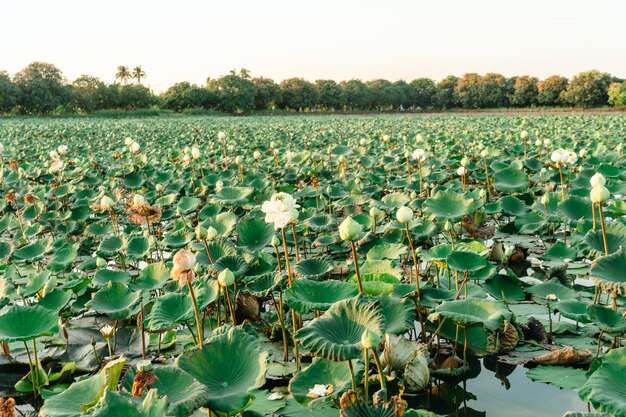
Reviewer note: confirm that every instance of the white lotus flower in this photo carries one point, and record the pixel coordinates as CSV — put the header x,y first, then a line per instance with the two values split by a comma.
x,y
128,141
560,157
256,155
280,210
320,390
195,153
134,147
597,180
524,135
62,149
56,166
221,135
419,154
552,297
461,171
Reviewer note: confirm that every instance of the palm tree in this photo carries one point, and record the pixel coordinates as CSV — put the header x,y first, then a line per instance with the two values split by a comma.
x,y
138,74
123,74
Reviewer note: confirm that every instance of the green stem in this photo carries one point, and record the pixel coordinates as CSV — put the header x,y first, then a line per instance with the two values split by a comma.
x,y
381,375
366,373
356,266
197,314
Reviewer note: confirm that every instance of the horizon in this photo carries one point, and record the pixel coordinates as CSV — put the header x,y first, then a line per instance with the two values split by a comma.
x,y
336,41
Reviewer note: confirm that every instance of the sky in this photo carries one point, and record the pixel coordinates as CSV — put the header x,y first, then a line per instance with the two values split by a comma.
x,y
190,40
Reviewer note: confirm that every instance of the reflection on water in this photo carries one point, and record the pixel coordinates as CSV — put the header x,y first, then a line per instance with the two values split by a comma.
x,y
497,390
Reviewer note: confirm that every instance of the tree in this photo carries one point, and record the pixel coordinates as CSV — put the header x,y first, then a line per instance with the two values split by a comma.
x,y
136,96
358,95
425,90
525,91
138,74
43,88
268,94
187,96
617,94
331,95
9,93
404,96
89,93
298,94
445,97
122,74
494,91
550,90
235,93
384,95
588,89
468,91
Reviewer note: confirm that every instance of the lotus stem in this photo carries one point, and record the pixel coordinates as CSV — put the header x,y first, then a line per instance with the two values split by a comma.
x,y
456,297
593,214
32,373
550,323
381,375
417,284
193,336
294,321
143,341
464,349
356,267
366,381
599,344
352,378
562,185
197,315
230,306
606,246
419,167
281,319
218,305
295,241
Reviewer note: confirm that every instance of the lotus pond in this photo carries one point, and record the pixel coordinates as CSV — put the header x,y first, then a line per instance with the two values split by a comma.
x,y
313,266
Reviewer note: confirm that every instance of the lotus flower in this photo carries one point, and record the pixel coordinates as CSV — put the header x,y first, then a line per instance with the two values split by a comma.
x,y
597,180
599,194
404,214
195,153
419,155
281,210
62,149
184,261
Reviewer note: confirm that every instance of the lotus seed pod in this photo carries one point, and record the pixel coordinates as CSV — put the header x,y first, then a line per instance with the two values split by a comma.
x,y
144,366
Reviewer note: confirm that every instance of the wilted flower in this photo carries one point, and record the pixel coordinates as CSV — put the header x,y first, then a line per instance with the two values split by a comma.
x,y
184,261
320,390
404,214
31,199
281,210
350,230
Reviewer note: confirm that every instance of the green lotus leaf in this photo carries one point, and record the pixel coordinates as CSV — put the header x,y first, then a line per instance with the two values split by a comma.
x,y
133,180
606,387
607,319
399,314
573,310
315,268
223,223
561,376
33,252
218,249
235,263
315,409
104,276
500,286
321,222
137,248
152,277
83,395
263,404
384,266
448,205
20,323
470,312
114,404
110,247
184,394
99,230
55,300
336,335
560,252
178,239
254,234
188,204
63,259
168,311
511,180
324,372
377,284
465,261
35,282
553,286
395,200
307,295
615,240
387,251
6,249
231,365
232,195
575,208
513,206
609,270
115,300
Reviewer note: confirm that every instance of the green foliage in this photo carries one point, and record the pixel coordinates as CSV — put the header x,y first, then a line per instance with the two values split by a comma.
x,y
588,89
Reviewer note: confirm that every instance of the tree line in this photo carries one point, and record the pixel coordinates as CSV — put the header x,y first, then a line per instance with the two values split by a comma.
x,y
41,88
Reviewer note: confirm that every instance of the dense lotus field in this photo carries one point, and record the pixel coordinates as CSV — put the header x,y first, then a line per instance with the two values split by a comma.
x,y
310,266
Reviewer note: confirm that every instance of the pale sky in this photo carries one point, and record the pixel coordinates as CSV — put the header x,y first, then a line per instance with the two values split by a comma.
x,y
190,40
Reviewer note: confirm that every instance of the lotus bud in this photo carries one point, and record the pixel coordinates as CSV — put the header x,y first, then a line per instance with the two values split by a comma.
x,y
226,278
195,153
54,154
483,153
350,230
101,262
404,215
128,141
219,185
107,331
363,141
200,232
328,190
144,366
238,160
597,180
159,187
293,215
221,136
370,340
275,241
464,162
551,297
413,195
184,260
375,212
186,158
406,154
582,153
342,158
524,135
461,171
573,158
419,137
211,233
357,180
545,199
599,194
482,193
107,202
62,149
385,138
134,147
547,142
256,155
538,142
447,226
